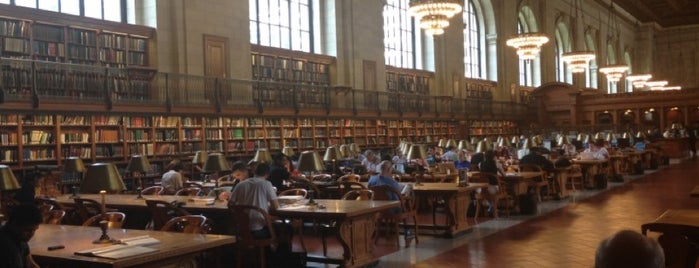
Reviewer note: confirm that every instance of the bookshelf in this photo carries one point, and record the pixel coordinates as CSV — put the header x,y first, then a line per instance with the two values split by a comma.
x,y
14,38
310,73
408,81
30,139
492,127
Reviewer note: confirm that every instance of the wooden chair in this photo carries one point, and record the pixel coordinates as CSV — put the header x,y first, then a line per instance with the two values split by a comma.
x,y
296,224
191,184
88,208
153,190
393,218
162,212
312,189
188,191
245,238
54,216
294,191
540,182
349,177
114,220
575,173
348,186
189,224
359,195
493,198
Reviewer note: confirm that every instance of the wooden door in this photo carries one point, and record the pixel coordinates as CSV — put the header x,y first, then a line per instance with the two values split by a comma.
x,y
216,65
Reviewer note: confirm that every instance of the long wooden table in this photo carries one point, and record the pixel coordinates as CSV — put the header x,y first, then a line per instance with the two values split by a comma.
x,y
354,226
174,248
138,215
457,200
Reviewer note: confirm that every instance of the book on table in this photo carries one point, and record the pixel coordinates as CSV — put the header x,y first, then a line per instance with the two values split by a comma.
x,y
126,248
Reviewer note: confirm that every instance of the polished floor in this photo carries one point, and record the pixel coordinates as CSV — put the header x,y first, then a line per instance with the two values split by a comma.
x,y
564,233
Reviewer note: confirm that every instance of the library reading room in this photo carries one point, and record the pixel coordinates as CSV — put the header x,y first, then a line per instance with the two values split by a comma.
x,y
349,133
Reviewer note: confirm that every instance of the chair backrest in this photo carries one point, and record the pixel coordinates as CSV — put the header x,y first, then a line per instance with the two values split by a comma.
x,y
294,191
114,220
385,192
189,224
359,195
486,177
48,201
191,184
189,191
161,212
54,216
241,224
321,177
347,186
309,186
153,190
87,208
349,177
530,167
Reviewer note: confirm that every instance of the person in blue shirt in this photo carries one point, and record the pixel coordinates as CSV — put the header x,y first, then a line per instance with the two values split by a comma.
x,y
385,179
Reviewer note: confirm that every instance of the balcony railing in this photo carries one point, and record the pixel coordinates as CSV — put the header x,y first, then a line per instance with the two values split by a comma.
x,y
25,80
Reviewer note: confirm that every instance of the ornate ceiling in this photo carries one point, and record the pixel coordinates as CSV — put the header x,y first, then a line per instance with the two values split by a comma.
x,y
667,13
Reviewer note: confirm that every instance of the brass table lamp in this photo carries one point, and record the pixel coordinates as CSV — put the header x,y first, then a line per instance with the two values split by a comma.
x,y
138,165
74,165
310,162
102,178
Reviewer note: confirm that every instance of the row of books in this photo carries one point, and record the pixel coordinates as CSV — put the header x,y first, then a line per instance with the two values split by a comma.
x,y
8,139
79,151
74,137
37,137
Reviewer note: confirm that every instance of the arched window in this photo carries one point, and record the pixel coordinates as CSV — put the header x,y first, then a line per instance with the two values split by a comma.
x,y
611,60
284,24
591,72
472,42
111,10
627,61
562,45
400,35
525,66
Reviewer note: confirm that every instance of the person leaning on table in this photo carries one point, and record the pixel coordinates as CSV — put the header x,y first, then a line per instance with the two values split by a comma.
x,y
23,221
258,191
173,179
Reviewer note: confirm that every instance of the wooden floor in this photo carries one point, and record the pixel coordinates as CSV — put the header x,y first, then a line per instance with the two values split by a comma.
x,y
568,237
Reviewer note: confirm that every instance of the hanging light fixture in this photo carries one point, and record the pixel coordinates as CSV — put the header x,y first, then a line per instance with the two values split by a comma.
x,y
578,61
434,15
528,45
656,84
638,80
614,72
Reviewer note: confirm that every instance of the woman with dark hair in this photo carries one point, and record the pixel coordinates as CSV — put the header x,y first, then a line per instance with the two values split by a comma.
x,y
280,173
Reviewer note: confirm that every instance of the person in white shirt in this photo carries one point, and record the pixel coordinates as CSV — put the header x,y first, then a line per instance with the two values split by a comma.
x,y
173,179
451,155
399,161
370,162
598,150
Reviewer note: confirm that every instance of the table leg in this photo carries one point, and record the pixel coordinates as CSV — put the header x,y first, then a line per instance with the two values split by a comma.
x,y
355,236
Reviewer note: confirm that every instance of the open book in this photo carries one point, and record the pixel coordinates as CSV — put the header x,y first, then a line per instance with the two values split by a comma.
x,y
128,247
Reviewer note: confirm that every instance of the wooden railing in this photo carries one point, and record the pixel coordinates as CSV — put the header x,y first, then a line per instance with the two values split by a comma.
x,y
38,81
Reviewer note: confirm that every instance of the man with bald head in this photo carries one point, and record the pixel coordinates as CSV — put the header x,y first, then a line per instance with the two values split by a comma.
x,y
629,249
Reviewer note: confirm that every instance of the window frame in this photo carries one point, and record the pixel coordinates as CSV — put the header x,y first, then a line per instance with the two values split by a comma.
x,y
298,38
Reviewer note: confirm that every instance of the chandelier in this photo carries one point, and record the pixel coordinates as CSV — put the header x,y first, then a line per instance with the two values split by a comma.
x,y
434,15
577,61
613,72
666,88
528,45
638,80
656,84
